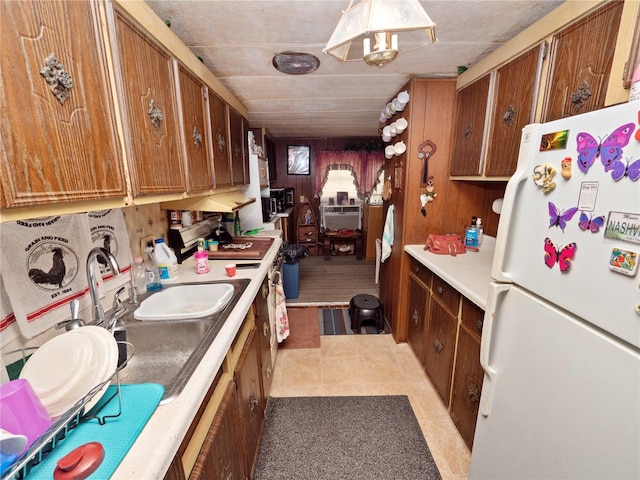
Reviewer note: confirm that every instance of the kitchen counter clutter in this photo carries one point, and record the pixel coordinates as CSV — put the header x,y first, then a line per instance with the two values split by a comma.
x,y
154,450
469,273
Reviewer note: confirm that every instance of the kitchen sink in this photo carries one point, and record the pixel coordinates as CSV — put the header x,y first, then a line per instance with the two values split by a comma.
x,y
168,351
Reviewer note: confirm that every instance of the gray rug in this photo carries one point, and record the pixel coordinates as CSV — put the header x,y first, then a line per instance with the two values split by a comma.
x,y
333,282
350,438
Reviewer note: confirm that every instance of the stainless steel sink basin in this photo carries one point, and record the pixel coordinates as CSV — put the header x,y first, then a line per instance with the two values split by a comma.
x,y
167,352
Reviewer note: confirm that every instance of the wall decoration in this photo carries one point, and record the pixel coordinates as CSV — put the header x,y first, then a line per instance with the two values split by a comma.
x,y
298,160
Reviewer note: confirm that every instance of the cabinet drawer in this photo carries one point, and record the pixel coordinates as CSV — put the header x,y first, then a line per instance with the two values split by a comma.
x,y
446,293
472,316
422,272
306,234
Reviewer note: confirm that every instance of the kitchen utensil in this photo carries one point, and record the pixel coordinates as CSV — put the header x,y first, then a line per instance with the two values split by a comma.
x,y
21,411
80,463
75,322
11,443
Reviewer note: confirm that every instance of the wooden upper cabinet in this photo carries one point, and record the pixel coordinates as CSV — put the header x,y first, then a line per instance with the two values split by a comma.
x,y
195,133
58,135
148,95
469,133
220,137
581,56
237,147
516,88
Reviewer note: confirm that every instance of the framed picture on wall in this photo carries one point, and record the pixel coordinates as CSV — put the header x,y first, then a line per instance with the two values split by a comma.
x,y
298,160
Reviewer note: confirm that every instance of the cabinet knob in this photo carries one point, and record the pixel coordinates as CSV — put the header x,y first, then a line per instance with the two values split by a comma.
x,y
416,317
438,346
440,290
155,115
473,392
59,80
268,372
265,291
479,325
253,402
265,329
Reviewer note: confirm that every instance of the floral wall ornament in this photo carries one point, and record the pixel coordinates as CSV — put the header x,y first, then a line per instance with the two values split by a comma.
x,y
155,115
59,80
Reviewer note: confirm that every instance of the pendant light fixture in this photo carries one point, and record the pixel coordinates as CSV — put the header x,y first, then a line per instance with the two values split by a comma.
x,y
380,21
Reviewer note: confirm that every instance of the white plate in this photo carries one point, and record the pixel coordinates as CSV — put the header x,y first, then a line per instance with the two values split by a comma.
x,y
68,366
10,443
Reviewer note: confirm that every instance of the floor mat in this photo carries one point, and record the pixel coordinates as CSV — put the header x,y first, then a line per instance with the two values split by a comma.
x,y
336,321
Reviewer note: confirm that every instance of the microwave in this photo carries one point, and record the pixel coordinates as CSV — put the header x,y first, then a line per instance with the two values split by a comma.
x,y
289,198
269,208
278,194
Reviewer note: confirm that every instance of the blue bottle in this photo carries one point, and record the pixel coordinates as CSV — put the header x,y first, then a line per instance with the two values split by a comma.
x,y
471,234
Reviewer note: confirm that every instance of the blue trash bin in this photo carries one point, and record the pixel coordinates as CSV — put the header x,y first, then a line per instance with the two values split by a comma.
x,y
291,279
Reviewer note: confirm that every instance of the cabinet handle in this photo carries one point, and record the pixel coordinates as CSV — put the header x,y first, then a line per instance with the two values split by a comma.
x,y
468,131
474,393
509,116
265,329
155,115
265,291
197,137
580,97
253,402
416,317
440,290
479,325
59,80
438,346
268,372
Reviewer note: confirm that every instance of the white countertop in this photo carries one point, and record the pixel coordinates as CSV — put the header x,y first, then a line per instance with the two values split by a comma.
x,y
155,448
469,273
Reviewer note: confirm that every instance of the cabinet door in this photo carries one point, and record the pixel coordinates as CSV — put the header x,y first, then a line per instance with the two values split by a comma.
x,y
441,338
581,56
270,150
516,88
264,333
220,138
237,148
467,385
150,111
247,375
417,322
195,135
58,134
469,133
222,455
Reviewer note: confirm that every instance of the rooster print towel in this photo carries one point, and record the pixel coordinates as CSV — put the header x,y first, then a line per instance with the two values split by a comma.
x,y
43,269
109,231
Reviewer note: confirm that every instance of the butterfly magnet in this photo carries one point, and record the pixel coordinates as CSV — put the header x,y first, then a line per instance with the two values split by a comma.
x,y
620,169
609,150
561,256
591,223
559,218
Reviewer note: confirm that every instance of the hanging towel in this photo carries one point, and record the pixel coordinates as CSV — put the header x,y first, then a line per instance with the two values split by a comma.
x,y
387,235
280,311
43,269
8,327
109,231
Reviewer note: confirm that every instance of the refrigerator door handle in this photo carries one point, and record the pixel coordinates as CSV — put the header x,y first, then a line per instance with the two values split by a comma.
x,y
497,291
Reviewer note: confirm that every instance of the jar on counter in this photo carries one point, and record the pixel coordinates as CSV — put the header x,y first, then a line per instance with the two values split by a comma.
x,y
213,245
202,262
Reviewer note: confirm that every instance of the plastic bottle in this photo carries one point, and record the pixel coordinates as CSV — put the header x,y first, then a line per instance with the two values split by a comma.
x,y
471,234
151,270
237,231
162,254
480,231
202,262
138,275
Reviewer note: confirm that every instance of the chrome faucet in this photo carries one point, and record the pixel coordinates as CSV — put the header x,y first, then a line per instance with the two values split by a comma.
x,y
98,312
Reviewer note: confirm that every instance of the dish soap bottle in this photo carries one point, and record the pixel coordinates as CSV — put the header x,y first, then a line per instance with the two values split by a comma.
x,y
471,234
151,270
237,231
480,231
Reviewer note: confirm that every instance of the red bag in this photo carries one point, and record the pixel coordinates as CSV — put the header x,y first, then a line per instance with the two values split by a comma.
x,y
450,244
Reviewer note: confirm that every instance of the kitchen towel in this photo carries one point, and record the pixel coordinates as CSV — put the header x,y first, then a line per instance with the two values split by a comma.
x,y
8,327
387,235
109,231
43,268
280,310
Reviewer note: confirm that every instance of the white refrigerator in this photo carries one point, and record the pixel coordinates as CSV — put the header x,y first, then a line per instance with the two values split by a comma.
x,y
561,339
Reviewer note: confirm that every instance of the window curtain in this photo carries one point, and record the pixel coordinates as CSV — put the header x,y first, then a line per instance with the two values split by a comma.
x,y
364,167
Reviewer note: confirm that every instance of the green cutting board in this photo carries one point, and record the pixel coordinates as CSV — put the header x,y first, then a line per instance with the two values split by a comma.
x,y
117,435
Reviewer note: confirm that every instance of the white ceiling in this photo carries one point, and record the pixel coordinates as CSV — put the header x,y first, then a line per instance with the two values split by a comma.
x,y
238,38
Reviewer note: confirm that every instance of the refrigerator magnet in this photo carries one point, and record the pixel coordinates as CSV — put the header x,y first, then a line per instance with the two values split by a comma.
x,y
624,261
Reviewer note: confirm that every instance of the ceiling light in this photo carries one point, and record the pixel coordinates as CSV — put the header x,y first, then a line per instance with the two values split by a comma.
x,y
380,21
295,63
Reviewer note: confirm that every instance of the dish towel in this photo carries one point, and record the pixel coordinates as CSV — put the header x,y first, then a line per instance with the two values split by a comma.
x,y
387,235
280,311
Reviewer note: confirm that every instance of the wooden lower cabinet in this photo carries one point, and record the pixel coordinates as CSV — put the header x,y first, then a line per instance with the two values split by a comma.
x,y
221,457
440,347
251,405
263,326
444,331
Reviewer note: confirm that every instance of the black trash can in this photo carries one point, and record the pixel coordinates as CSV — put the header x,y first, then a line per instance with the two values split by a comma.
x,y
293,253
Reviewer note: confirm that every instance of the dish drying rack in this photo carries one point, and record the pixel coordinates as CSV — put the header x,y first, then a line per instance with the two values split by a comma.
x,y
69,420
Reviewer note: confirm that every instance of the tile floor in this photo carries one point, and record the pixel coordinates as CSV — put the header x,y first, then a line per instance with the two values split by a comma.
x,y
374,365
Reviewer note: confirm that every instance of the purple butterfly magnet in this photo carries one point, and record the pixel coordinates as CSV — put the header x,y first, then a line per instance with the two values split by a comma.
x,y
609,150
559,218
620,169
